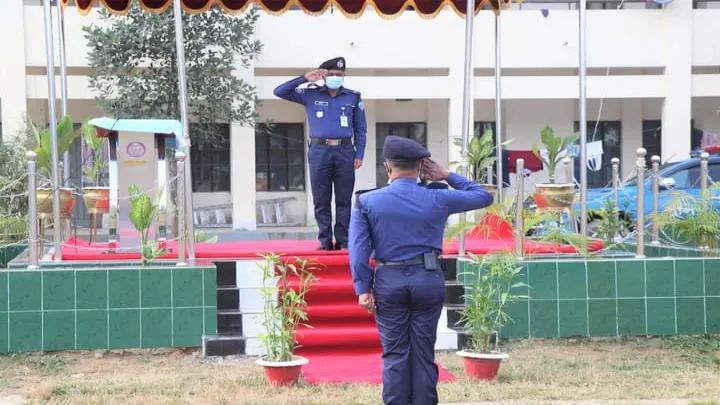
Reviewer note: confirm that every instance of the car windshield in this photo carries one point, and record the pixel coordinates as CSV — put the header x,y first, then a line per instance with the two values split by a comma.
x,y
648,173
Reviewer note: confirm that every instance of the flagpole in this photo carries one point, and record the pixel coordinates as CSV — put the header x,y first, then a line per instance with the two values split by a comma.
x,y
182,86
467,107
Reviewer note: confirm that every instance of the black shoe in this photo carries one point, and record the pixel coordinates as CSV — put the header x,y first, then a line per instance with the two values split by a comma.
x,y
341,246
325,246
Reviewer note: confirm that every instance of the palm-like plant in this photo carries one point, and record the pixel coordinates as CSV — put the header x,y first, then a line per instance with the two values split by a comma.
x,y
493,285
65,137
693,219
555,146
479,150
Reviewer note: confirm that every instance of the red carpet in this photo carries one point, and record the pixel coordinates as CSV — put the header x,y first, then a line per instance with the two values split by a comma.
x,y
343,344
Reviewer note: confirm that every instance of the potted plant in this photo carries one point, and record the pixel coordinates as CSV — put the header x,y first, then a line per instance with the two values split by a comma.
x,y
552,194
96,197
285,284
142,215
480,149
65,137
489,289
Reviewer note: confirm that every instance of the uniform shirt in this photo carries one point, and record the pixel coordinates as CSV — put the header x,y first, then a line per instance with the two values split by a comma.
x,y
342,116
406,220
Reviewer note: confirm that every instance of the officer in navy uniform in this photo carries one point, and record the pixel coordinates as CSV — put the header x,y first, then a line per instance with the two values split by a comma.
x,y
402,225
337,144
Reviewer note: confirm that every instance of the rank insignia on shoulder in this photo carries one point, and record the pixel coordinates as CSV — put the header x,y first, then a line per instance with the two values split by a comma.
x,y
361,105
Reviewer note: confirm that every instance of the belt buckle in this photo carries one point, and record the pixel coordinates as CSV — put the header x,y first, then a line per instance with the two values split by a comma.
x,y
333,142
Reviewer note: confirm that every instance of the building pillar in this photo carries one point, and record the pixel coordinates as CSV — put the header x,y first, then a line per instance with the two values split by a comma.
x,y
632,135
242,177
677,106
13,95
242,165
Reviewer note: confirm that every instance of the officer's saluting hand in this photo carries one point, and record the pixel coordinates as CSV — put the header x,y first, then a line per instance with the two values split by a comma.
x,y
402,225
316,75
338,129
433,171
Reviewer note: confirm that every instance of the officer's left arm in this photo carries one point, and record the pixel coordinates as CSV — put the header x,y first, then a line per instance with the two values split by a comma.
x,y
360,249
360,128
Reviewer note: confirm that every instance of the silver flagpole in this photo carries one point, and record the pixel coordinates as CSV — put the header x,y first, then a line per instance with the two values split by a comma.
x,y
182,85
467,107
63,84
498,112
52,121
583,116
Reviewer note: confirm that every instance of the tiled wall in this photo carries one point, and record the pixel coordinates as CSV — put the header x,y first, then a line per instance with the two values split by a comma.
x,y
106,308
601,297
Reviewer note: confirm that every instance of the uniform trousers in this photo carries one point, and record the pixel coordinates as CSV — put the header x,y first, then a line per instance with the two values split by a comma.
x,y
332,166
409,300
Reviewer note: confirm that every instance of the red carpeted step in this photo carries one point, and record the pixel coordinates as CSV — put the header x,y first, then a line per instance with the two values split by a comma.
x,y
339,313
329,290
338,335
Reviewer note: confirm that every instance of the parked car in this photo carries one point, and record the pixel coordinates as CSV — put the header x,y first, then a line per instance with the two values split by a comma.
x,y
675,177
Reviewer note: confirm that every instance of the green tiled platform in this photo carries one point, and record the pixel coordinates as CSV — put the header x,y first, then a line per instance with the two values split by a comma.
x,y
106,308
617,297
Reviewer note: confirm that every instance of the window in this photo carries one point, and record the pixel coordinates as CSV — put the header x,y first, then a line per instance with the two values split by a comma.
x,y
608,132
480,127
280,157
411,130
651,139
211,162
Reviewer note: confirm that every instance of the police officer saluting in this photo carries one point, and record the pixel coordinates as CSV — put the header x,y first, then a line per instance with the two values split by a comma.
x,y
403,224
337,144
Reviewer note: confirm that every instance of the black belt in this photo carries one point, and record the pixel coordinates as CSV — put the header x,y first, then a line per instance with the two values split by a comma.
x,y
331,142
408,262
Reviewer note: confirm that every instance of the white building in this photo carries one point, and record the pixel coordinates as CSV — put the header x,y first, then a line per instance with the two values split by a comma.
x,y
654,74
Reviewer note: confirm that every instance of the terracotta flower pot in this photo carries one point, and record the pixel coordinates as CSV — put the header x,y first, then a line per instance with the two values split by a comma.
x,y
482,366
283,373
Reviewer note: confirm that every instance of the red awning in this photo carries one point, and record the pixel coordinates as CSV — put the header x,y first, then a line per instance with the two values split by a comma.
x,y
350,8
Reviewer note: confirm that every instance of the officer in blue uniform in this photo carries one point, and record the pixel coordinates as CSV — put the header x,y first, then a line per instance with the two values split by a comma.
x,y
402,224
337,144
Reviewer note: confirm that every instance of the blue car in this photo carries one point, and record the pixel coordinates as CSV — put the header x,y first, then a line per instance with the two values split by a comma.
x,y
675,177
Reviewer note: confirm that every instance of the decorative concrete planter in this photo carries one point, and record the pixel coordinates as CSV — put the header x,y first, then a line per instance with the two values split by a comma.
x,y
482,366
283,373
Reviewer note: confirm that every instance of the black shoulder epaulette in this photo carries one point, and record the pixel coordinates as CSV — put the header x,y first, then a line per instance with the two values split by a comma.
x,y
361,192
437,186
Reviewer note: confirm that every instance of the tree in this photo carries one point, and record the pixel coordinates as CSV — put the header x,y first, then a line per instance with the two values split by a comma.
x,y
134,67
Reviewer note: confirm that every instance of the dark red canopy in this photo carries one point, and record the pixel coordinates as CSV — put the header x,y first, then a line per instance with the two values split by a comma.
x,y
350,8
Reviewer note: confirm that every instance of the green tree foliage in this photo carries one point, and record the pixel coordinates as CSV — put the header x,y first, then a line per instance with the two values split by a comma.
x,y
134,66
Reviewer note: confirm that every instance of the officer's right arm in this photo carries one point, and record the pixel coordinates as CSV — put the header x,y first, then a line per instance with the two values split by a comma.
x,y
360,248
289,90
466,196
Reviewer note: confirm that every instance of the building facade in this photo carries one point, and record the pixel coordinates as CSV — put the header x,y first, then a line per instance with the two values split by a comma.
x,y
653,81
